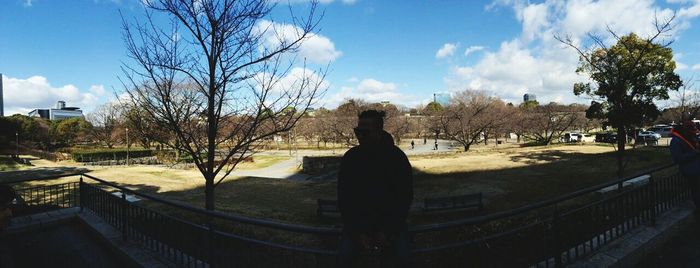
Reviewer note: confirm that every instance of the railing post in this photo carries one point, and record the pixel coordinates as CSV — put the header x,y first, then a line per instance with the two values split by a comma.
x,y
654,200
556,238
81,193
210,242
123,216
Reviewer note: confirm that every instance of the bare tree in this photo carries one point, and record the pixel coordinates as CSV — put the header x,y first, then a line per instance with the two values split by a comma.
x,y
469,116
220,78
547,122
686,101
105,121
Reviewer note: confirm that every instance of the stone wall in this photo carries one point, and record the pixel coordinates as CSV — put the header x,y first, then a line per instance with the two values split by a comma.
x,y
317,165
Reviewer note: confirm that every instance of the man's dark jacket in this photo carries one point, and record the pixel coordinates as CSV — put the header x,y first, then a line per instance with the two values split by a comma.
x,y
684,155
375,188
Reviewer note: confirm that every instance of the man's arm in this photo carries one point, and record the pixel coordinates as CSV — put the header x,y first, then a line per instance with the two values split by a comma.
x,y
406,181
677,152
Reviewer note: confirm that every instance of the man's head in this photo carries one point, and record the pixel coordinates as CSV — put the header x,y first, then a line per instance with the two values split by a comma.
x,y
369,128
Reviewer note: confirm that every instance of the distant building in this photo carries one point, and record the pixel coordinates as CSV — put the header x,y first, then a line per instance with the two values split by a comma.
x,y
529,97
57,113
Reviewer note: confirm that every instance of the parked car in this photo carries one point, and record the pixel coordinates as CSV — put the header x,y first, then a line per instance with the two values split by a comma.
x,y
601,137
571,137
589,138
648,135
663,130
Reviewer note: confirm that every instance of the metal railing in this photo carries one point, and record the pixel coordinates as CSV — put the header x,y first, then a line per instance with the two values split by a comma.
x,y
552,232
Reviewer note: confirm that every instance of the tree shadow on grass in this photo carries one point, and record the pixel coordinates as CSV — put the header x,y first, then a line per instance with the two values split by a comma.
x,y
547,174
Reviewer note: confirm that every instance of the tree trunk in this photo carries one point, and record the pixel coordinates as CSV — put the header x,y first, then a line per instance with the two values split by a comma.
x,y
209,192
466,147
621,140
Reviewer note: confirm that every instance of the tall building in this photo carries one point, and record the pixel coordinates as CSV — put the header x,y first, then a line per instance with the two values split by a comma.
x,y
529,97
2,105
57,113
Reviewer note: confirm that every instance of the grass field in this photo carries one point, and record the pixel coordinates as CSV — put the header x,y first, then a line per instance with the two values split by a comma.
x,y
508,178
7,164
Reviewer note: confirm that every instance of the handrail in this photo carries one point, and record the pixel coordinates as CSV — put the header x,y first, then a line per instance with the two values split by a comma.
x,y
533,206
44,178
226,216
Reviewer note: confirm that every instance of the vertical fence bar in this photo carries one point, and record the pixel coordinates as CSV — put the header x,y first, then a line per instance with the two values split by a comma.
x,y
653,200
556,238
81,195
123,222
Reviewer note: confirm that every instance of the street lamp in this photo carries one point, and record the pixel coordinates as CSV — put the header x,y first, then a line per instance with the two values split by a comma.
x,y
127,146
17,143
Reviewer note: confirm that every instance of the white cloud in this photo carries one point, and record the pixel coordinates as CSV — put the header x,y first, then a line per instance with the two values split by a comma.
x,y
315,48
98,90
24,95
473,49
535,62
349,2
371,90
696,67
446,50
27,3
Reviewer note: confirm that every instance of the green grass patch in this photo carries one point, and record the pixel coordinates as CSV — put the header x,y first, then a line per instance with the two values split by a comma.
x,y
7,164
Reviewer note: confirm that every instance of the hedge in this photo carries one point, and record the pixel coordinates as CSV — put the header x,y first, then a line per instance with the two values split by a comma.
x,y
108,154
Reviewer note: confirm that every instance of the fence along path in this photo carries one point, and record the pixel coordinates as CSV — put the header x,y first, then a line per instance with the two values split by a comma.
x,y
549,233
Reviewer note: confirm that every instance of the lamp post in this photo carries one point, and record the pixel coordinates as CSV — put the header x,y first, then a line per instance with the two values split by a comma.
x,y
127,146
17,143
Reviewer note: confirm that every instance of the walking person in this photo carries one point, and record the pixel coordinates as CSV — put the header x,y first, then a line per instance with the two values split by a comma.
x,y
684,150
375,191
413,145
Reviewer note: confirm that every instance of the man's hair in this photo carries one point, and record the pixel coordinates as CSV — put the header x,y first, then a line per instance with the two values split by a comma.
x,y
7,194
374,114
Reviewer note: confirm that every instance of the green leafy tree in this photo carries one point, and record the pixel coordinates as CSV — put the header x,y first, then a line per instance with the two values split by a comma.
x,y
67,132
627,78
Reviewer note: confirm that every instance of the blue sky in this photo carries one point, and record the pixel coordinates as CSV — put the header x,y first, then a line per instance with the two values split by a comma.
x,y
378,50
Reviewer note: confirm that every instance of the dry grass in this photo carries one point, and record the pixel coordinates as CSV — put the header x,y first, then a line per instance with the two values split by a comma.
x,y
508,178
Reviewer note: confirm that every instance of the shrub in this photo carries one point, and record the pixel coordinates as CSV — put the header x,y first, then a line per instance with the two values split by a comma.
x,y
108,154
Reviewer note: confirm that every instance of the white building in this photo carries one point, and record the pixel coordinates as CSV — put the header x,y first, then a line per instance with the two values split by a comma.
x,y
57,113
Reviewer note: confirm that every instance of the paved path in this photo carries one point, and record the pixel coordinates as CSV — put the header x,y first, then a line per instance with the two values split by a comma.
x,y
287,169
681,251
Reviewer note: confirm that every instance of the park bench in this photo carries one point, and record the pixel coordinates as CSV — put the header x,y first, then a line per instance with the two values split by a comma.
x,y
327,206
453,202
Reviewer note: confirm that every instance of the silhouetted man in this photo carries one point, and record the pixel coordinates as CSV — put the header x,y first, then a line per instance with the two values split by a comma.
x,y
375,191
685,150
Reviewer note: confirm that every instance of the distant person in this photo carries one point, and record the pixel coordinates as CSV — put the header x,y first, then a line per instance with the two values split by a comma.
x,y
425,141
413,145
436,145
7,194
375,191
684,150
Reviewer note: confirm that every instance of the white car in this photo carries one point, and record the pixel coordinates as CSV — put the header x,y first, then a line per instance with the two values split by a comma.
x,y
649,136
588,138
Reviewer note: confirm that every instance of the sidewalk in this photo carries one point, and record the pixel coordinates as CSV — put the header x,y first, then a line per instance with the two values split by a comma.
x,y
681,251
